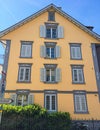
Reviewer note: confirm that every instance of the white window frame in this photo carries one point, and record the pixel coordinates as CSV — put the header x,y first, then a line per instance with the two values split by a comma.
x,y
79,72
80,103
26,49
51,32
50,53
50,109
24,71
50,74
75,50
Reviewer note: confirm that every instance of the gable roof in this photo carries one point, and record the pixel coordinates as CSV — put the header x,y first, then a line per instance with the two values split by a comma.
x,y
57,9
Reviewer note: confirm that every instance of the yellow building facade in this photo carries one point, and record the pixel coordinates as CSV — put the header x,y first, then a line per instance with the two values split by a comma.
x,y
52,60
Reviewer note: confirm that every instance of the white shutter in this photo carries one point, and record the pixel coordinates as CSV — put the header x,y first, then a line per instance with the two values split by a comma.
x,y
73,54
83,103
80,75
28,51
30,99
77,103
14,98
42,31
23,50
42,74
58,74
58,51
42,51
60,32
78,53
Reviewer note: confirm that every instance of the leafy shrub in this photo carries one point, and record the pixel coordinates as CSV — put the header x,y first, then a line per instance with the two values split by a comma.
x,y
33,117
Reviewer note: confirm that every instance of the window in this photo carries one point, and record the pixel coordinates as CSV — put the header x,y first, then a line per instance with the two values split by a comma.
x,y
51,31
50,102
50,74
76,51
26,49
77,74
24,73
51,16
80,103
50,50
22,98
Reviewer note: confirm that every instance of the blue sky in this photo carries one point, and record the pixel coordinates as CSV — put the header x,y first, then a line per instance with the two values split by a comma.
x,y
85,11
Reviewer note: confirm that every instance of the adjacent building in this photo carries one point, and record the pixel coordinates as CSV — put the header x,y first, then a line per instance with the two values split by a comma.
x,y
53,60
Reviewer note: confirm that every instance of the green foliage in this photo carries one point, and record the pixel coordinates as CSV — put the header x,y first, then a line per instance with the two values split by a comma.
x,y
33,117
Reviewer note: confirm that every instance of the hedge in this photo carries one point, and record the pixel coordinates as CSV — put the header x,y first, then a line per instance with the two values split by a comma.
x,y
33,117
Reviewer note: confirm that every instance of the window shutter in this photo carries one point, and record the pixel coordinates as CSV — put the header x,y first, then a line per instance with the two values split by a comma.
x,y
23,50
30,99
42,51
80,75
14,98
58,74
78,53
42,31
28,51
77,103
73,54
42,74
60,32
83,103
58,51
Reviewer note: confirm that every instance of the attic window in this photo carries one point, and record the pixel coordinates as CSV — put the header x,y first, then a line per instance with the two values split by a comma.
x,y
51,16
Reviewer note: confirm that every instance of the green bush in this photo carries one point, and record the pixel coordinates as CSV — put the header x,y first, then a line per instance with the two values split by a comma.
x,y
33,117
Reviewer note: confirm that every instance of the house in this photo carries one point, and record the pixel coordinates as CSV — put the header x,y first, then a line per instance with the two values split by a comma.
x,y
53,60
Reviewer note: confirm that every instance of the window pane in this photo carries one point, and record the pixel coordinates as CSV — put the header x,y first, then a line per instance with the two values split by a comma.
x,y
21,74
75,75
54,33
52,52
27,74
83,103
52,75
48,75
80,75
48,52
77,103
48,102
48,33
53,103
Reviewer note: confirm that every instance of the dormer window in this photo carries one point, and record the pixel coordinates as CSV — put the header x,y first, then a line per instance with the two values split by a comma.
x,y
51,16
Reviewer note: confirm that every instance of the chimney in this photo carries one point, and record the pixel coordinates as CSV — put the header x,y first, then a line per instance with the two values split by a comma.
x,y
90,28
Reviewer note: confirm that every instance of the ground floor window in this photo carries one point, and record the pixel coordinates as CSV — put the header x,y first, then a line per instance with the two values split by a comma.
x,y
80,103
22,99
50,102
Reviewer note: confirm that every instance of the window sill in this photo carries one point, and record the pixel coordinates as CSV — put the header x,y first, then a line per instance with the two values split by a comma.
x,y
76,59
50,58
50,82
24,82
87,112
51,38
78,83
25,57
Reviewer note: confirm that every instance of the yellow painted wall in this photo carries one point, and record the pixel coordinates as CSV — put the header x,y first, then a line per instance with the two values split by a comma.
x,y
72,34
